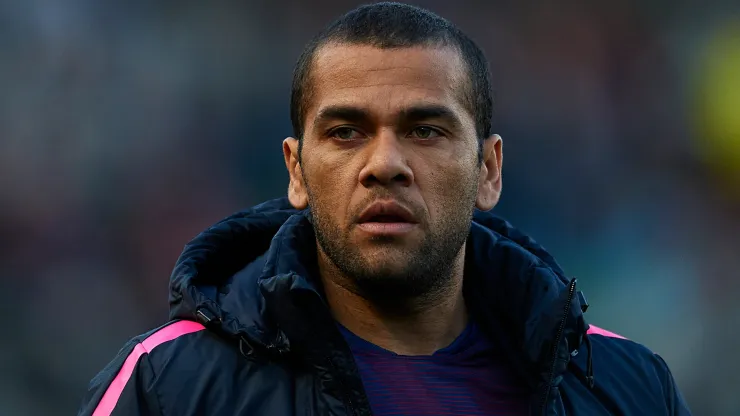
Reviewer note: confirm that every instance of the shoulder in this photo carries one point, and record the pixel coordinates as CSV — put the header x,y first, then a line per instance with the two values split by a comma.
x,y
211,371
123,366
613,349
627,371
182,348
157,369
118,385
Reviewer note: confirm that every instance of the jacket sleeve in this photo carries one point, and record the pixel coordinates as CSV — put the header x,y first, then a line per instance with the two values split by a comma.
x,y
123,387
674,399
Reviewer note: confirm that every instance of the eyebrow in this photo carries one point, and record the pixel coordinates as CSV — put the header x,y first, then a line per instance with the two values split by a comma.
x,y
419,113
413,114
347,113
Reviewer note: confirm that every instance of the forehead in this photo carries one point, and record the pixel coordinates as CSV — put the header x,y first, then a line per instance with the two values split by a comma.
x,y
386,79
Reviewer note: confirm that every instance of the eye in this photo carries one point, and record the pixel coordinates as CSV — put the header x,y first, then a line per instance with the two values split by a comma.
x,y
425,132
344,133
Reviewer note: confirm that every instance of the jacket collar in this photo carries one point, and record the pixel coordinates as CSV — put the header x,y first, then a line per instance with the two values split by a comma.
x,y
252,277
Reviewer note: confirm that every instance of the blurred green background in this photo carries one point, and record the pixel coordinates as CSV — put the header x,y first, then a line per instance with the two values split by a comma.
x,y
128,127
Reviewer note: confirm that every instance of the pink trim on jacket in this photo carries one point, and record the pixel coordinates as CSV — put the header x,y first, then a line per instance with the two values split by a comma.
x,y
113,392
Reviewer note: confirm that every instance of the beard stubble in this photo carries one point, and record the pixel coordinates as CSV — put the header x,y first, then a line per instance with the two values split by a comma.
x,y
397,274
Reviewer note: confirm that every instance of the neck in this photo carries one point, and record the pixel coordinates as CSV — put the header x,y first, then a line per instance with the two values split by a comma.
x,y
427,324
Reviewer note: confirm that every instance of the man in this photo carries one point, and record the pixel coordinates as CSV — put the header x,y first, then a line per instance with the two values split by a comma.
x,y
381,285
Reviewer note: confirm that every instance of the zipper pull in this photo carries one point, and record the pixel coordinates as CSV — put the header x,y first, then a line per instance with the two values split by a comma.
x,y
583,301
205,317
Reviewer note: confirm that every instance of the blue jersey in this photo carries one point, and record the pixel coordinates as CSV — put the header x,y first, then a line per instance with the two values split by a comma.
x,y
469,377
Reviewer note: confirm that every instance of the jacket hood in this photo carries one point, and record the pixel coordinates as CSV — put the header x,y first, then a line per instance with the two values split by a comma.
x,y
251,277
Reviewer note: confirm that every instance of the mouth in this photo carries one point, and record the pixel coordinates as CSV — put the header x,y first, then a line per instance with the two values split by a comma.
x,y
387,218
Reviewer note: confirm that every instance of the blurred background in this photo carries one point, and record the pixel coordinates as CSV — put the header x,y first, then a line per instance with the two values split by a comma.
x,y
128,127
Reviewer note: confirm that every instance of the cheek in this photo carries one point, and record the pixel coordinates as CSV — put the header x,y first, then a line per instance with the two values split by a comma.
x,y
330,188
336,178
448,188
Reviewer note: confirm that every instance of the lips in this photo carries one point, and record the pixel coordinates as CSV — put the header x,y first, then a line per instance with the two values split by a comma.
x,y
386,212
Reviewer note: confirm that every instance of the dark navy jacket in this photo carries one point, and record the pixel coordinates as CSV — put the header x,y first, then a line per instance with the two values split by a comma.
x,y
251,333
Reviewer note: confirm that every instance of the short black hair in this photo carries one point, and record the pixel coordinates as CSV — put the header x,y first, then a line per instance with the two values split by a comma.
x,y
396,25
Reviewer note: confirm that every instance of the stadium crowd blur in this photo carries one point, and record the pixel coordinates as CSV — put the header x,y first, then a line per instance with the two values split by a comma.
x,y
128,127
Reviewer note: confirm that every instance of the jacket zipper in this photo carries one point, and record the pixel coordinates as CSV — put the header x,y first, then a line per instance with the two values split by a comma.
x,y
347,399
558,338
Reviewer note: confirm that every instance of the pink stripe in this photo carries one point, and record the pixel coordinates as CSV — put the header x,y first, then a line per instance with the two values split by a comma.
x,y
595,330
168,333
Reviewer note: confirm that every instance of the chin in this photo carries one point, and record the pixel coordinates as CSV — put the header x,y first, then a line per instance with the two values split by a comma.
x,y
393,278
388,274
388,262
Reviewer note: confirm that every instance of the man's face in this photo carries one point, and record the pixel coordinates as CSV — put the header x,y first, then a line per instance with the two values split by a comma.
x,y
389,164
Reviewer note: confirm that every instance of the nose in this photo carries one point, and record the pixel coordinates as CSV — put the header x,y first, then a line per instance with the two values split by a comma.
x,y
386,163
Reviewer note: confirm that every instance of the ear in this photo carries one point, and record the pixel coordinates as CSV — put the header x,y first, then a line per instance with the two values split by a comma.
x,y
489,181
297,192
